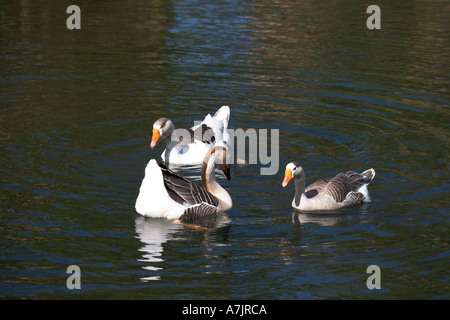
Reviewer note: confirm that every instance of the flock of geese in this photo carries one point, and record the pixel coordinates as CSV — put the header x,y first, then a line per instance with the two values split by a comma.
x,y
164,194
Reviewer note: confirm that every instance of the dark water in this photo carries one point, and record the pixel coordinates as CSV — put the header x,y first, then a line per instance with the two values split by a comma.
x,y
76,112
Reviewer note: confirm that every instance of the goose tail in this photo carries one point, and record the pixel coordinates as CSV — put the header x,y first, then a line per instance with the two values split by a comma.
x,y
369,174
368,177
223,115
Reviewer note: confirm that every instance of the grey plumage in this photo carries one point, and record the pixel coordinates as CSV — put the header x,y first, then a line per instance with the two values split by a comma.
x,y
199,201
339,186
345,189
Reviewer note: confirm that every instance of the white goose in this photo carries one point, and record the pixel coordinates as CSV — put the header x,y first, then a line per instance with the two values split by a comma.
x,y
343,190
190,146
163,194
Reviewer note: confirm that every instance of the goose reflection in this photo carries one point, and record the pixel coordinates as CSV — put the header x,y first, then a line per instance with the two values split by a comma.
x,y
154,233
327,219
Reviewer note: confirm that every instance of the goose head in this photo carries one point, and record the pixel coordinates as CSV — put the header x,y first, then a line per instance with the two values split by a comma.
x,y
221,158
293,170
162,128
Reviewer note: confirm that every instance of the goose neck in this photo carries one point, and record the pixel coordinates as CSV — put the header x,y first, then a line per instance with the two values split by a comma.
x,y
210,184
207,174
299,183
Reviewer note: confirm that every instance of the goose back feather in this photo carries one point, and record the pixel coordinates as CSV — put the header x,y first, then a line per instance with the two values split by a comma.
x,y
199,202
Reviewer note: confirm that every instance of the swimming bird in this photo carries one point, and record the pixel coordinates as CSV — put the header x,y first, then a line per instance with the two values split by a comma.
x,y
189,146
164,194
343,190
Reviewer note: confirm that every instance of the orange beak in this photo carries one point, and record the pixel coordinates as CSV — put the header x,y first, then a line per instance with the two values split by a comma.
x,y
155,138
287,177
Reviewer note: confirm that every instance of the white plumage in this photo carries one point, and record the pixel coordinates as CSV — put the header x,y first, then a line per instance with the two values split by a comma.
x,y
163,194
189,146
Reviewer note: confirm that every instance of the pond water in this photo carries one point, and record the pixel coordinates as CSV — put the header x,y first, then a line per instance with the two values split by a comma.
x,y
77,108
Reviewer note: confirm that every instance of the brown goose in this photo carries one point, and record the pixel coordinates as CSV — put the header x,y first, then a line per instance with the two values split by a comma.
x,y
343,190
165,194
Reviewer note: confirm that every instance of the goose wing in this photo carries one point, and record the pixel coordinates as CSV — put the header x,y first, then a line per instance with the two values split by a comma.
x,y
316,188
198,211
202,133
197,200
337,187
352,198
344,187
216,126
